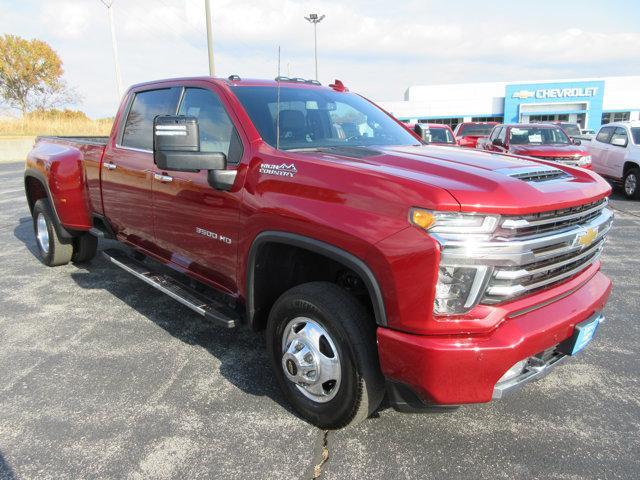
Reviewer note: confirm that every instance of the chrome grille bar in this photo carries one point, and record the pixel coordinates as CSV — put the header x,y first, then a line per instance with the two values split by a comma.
x,y
521,261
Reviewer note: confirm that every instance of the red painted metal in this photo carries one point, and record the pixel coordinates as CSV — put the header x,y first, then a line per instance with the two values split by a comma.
x,y
458,369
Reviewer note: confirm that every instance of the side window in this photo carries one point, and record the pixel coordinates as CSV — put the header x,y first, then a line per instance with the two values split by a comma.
x,y
503,135
138,129
604,135
217,133
494,133
619,138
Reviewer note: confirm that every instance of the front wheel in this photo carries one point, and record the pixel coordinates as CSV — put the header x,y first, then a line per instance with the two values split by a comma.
x,y
631,184
322,345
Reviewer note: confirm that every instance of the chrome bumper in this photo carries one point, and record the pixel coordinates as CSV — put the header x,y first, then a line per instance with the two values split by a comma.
x,y
535,369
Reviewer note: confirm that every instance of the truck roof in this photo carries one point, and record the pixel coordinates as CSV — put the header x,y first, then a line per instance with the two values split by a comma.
x,y
235,80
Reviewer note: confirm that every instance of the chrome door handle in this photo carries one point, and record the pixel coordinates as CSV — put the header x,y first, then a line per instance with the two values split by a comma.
x,y
110,166
163,178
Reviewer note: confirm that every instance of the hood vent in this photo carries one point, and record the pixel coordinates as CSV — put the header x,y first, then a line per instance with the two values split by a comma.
x,y
535,174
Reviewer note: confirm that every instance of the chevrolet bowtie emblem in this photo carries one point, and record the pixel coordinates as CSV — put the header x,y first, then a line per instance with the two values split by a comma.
x,y
585,239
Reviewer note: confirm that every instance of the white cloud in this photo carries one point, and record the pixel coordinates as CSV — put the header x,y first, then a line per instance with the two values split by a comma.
x,y
377,48
65,19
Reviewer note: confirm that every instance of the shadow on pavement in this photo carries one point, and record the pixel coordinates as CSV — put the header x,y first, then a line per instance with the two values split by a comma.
x,y
6,473
241,352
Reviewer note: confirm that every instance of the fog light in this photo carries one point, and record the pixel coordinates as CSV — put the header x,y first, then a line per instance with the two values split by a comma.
x,y
514,371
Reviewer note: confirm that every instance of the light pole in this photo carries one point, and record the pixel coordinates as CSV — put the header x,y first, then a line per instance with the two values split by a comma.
x,y
315,19
114,45
207,8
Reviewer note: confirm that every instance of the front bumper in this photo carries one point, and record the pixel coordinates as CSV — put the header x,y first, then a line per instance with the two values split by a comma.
x,y
458,369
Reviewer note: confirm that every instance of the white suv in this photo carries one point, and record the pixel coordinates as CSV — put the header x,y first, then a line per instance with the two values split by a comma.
x,y
615,154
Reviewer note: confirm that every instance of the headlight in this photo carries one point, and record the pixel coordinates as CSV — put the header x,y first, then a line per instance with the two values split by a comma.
x,y
584,161
453,222
459,288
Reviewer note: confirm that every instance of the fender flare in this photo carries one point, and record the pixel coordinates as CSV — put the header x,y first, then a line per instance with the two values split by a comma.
x,y
33,173
331,251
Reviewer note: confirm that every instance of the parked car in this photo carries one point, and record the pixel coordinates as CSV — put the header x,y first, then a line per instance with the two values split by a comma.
x,y
435,134
373,263
537,140
615,154
468,133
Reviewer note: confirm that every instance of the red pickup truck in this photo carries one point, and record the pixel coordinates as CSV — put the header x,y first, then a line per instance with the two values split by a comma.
x,y
537,140
374,264
468,133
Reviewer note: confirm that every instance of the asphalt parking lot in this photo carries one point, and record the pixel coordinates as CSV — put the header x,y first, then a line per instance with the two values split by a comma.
x,y
103,377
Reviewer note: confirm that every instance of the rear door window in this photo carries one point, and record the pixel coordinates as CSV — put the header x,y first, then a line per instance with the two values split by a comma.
x,y
138,129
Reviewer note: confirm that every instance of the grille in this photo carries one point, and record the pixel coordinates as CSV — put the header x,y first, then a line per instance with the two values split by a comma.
x,y
554,220
533,252
509,282
568,160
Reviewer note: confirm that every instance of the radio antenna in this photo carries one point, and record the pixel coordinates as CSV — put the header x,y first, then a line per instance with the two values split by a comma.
x,y
278,104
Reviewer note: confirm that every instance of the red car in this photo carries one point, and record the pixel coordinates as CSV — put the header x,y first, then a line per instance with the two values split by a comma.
x,y
468,133
373,263
537,140
434,133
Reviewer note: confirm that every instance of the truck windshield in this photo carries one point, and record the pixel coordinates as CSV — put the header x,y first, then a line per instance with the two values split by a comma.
x,y
313,118
537,136
475,130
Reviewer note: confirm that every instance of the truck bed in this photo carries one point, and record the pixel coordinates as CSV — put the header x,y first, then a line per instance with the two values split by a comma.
x,y
101,141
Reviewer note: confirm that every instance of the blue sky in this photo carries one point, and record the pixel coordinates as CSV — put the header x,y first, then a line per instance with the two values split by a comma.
x,y
377,48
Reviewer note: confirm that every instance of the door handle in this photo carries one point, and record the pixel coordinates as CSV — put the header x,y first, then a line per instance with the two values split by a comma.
x,y
110,166
162,178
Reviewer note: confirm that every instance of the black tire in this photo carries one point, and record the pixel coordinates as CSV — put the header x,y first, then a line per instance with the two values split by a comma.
x,y
631,184
352,331
54,251
85,247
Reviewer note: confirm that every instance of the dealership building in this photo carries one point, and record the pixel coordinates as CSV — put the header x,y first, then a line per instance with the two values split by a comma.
x,y
589,102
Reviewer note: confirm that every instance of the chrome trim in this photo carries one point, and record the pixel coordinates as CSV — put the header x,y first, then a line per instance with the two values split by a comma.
x,y
516,274
134,149
503,388
163,178
508,291
524,223
196,308
535,369
458,250
109,166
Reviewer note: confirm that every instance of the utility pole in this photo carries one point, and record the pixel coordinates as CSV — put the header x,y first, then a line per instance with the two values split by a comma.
x,y
207,8
114,45
315,19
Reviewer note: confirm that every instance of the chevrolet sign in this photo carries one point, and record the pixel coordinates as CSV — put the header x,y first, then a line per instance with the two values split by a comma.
x,y
570,92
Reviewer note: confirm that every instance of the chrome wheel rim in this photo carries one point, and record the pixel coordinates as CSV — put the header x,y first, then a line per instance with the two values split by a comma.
x,y
310,359
42,233
630,184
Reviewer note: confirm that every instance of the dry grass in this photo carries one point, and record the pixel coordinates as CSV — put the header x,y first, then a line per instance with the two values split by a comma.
x,y
35,124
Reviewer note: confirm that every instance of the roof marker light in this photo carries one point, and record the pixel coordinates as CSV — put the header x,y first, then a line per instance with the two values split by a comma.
x,y
338,86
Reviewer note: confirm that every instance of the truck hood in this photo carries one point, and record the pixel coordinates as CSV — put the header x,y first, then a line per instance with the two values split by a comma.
x,y
479,181
548,150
